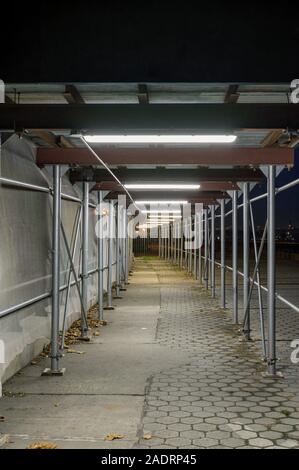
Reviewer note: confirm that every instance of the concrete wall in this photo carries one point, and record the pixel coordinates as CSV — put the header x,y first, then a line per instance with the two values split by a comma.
x,y
25,256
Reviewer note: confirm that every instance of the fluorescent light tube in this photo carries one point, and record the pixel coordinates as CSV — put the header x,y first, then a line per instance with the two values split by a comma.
x,y
162,203
163,211
160,139
191,187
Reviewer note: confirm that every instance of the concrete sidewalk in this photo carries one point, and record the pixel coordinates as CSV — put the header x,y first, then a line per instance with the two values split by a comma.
x,y
103,390
169,364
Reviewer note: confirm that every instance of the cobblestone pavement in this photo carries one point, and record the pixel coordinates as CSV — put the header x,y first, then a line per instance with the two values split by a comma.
x,y
219,399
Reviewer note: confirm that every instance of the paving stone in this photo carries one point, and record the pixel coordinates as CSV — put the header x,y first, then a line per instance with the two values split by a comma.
x,y
180,414
232,442
180,427
205,442
260,442
218,434
192,434
246,434
216,420
167,420
288,443
230,427
219,393
271,435
156,414
178,442
255,427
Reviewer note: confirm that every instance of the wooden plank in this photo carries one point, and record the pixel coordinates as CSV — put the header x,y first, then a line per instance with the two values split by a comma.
x,y
143,97
272,138
232,94
72,95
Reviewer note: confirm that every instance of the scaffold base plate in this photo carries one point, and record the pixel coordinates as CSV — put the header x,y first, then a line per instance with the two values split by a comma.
x,y
277,375
48,372
84,338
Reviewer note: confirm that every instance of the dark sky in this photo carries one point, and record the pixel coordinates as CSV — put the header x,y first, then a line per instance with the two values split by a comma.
x,y
149,41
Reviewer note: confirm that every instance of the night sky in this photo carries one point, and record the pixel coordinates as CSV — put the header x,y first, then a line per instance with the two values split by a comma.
x,y
154,41
149,41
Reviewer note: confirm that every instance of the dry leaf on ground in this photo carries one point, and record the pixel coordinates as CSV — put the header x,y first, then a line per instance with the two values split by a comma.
x,y
4,439
42,445
112,436
74,351
147,436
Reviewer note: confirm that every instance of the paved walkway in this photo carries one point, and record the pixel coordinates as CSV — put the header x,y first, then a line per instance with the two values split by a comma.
x,y
169,366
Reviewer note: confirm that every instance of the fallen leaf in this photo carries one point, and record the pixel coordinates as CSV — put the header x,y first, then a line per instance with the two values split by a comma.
x,y
147,436
33,363
42,445
112,436
96,333
4,439
74,351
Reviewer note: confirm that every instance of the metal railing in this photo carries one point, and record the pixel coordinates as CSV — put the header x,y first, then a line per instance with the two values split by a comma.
x,y
205,265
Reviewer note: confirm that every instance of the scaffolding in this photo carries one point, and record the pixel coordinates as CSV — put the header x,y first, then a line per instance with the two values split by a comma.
x,y
206,261
259,121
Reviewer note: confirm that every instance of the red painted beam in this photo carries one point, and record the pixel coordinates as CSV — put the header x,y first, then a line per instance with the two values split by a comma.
x,y
166,156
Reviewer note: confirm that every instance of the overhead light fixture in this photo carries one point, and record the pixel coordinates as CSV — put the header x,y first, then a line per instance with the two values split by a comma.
x,y
191,187
160,139
164,217
163,211
161,203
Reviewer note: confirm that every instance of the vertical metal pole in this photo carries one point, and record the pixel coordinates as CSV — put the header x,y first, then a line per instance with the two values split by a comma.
x,y
200,235
206,273
122,248
110,256
100,258
117,254
174,242
127,248
181,243
85,225
189,249
168,240
195,247
235,257
186,241
246,258
128,264
159,237
213,251
271,272
171,242
55,355
223,257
